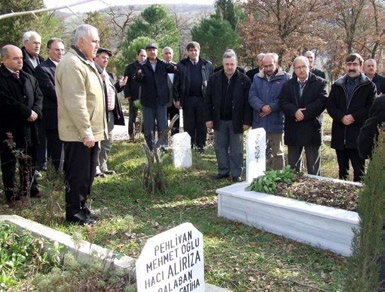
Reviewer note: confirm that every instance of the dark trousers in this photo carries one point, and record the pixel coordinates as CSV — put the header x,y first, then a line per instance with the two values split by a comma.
x,y
28,185
41,148
343,157
313,158
132,114
194,121
54,147
79,172
171,112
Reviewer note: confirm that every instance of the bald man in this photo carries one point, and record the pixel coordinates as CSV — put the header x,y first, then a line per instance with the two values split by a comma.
x,y
21,103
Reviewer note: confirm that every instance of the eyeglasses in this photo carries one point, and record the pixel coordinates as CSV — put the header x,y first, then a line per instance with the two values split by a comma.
x,y
354,64
304,67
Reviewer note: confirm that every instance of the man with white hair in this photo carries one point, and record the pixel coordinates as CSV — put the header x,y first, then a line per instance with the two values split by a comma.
x,y
82,120
311,57
303,100
31,59
370,70
254,71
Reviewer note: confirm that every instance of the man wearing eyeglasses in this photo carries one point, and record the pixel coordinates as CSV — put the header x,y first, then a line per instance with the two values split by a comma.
x,y
303,100
348,104
45,74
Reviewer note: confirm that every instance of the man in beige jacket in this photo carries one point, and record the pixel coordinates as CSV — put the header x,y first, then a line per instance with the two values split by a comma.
x,y
82,121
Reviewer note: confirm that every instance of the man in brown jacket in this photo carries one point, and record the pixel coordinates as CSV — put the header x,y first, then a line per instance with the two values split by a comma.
x,y
82,120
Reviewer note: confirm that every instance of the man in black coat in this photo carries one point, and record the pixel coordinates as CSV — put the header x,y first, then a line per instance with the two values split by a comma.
x,y
369,132
349,101
370,70
228,112
303,100
45,74
21,104
132,90
32,59
114,111
259,67
155,95
311,57
189,91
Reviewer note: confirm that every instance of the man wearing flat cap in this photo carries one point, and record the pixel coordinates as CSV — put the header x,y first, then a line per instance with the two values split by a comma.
x,y
152,75
114,113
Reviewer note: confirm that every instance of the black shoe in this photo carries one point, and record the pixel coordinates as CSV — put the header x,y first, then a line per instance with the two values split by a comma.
x,y
37,195
220,176
89,212
80,218
201,150
101,174
109,172
237,179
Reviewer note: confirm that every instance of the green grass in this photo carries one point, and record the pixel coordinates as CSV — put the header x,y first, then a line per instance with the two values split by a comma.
x,y
237,257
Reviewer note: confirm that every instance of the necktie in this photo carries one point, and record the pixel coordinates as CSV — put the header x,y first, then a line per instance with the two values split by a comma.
x,y
301,87
16,74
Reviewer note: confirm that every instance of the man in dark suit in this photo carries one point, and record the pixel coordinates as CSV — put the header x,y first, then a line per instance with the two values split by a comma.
x,y
311,57
303,100
254,71
45,74
370,70
31,59
21,104
114,111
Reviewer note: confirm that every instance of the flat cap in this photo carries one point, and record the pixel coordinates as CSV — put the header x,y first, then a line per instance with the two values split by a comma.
x,y
151,46
104,50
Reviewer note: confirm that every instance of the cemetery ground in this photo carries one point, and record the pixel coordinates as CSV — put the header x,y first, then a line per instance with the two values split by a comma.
x,y
237,257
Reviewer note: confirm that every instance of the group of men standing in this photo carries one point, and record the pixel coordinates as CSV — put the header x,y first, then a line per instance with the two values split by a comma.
x,y
81,107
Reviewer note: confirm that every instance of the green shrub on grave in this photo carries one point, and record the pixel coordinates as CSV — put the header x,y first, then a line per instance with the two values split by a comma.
x,y
365,263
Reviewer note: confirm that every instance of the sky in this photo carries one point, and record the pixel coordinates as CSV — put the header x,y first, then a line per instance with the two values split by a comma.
x,y
93,5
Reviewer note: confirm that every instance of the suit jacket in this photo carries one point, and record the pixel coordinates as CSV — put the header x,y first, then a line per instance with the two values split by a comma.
x,y
27,65
17,98
45,74
132,87
307,132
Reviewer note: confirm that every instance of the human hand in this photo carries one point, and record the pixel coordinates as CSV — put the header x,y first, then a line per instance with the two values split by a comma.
x,y
33,117
89,141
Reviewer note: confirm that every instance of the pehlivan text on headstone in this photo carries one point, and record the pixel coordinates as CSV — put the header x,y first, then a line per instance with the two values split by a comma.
x,y
172,262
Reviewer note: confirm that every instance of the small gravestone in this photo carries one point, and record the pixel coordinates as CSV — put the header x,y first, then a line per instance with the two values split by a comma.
x,y
181,150
172,261
255,153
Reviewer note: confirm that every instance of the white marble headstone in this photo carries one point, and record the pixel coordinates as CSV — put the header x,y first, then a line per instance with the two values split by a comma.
x,y
172,261
181,150
255,153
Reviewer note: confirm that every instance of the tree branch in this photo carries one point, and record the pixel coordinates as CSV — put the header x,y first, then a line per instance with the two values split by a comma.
x,y
20,13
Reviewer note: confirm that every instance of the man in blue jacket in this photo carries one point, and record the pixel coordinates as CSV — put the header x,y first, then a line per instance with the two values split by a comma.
x,y
263,98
